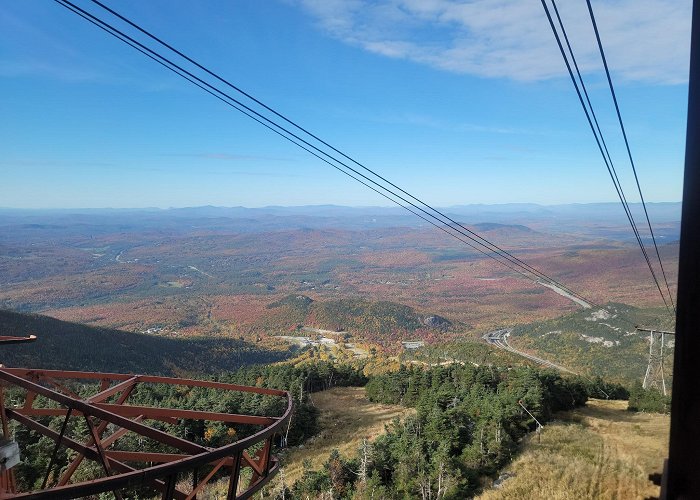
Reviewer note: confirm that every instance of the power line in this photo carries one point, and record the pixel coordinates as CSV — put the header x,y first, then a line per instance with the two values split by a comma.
x,y
245,110
609,163
627,145
601,142
486,243
183,75
493,251
609,166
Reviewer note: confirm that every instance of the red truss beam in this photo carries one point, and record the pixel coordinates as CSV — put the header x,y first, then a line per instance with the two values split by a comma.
x,y
120,418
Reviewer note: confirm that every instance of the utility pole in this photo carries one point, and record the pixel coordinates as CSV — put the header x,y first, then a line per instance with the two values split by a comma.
x,y
539,425
654,377
681,479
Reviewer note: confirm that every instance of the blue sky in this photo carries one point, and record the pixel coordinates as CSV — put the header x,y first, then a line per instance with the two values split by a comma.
x,y
457,102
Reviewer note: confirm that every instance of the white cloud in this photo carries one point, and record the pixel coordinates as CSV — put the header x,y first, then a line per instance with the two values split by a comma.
x,y
645,40
431,122
46,68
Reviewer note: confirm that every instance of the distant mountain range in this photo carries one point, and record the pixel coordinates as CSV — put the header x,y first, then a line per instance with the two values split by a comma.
x,y
665,210
596,219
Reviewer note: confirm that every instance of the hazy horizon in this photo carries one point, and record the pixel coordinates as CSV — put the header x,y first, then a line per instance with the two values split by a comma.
x,y
281,206
452,110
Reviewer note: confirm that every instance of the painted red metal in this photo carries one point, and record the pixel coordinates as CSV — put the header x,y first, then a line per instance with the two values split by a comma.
x,y
161,471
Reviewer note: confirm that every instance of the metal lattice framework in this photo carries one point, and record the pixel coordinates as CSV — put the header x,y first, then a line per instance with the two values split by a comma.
x,y
654,377
109,417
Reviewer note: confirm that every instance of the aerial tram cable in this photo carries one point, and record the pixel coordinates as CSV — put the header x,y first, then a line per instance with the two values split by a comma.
x,y
611,167
244,110
487,243
627,145
474,237
492,251
178,70
600,147
609,163
440,215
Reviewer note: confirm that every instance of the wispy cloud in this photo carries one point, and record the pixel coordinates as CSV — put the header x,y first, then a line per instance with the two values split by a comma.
x,y
57,163
58,60
221,171
439,124
645,40
219,164
102,167
248,173
45,68
32,50
226,156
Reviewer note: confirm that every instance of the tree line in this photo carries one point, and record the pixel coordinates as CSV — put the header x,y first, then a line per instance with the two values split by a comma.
x,y
467,426
300,380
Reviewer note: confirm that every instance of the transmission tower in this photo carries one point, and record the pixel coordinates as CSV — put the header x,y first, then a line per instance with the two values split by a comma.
x,y
654,377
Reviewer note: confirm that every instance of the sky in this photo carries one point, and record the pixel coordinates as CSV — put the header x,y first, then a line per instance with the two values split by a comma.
x,y
455,102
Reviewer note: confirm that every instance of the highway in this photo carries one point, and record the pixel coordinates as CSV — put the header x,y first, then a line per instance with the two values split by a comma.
x,y
499,338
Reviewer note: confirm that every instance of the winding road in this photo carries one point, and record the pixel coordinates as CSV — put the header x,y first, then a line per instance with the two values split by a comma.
x,y
499,338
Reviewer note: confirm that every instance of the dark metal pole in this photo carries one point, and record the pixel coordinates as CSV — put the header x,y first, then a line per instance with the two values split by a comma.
x,y
56,447
682,479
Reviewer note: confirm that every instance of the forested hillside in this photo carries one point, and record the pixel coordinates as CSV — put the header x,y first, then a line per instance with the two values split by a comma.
x,y
598,342
467,426
380,321
72,346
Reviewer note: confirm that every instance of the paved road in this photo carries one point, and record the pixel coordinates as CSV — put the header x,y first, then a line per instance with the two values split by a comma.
x,y
499,338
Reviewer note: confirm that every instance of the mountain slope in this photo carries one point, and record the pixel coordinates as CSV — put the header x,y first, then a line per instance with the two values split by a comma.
x,y
597,342
72,346
599,451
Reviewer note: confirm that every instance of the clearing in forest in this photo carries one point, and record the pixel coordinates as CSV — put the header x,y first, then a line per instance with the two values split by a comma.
x,y
601,451
347,417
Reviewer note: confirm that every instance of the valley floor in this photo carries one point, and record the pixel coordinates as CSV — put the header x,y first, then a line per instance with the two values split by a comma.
x,y
601,451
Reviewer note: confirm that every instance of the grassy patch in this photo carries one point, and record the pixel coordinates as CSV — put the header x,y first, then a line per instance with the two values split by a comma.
x,y
601,451
347,417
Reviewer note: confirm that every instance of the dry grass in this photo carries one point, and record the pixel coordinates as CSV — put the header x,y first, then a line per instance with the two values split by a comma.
x,y
597,452
347,417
